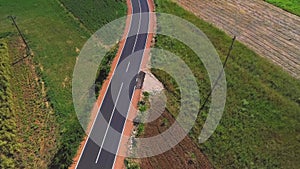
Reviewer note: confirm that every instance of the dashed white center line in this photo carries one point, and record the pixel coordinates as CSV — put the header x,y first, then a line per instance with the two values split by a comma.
x,y
139,27
127,66
109,123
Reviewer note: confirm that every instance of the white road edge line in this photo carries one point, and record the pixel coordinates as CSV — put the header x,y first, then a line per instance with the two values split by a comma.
x,y
127,66
104,138
106,89
112,113
133,89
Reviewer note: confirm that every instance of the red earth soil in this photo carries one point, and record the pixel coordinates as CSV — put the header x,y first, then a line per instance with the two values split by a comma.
x,y
184,155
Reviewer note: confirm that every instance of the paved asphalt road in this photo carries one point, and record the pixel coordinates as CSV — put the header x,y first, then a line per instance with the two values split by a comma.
x,y
114,108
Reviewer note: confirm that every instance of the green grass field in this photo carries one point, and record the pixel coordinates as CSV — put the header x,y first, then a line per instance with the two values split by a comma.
x,y
260,125
54,36
94,14
292,6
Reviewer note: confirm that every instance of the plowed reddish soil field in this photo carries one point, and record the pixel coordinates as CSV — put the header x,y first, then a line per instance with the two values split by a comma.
x,y
185,155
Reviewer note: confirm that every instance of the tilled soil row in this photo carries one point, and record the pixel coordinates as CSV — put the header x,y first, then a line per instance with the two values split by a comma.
x,y
269,31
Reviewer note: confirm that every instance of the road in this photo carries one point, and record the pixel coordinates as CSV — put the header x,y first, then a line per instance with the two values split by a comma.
x,y
113,111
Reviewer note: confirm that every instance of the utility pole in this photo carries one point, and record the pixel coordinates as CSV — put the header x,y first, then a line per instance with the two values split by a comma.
x,y
220,75
28,51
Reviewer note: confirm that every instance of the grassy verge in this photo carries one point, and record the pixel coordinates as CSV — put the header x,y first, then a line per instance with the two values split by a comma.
x,y
259,128
139,128
8,142
55,38
143,106
104,68
292,6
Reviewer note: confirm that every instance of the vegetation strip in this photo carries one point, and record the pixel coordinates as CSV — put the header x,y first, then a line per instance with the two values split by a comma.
x,y
8,143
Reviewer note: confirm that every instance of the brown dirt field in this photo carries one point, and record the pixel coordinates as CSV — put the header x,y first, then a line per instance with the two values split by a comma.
x,y
269,31
184,155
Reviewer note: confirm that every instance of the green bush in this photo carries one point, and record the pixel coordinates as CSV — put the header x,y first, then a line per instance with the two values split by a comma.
x,y
140,129
130,164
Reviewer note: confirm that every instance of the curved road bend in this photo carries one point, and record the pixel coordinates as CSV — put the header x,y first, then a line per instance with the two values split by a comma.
x,y
95,154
